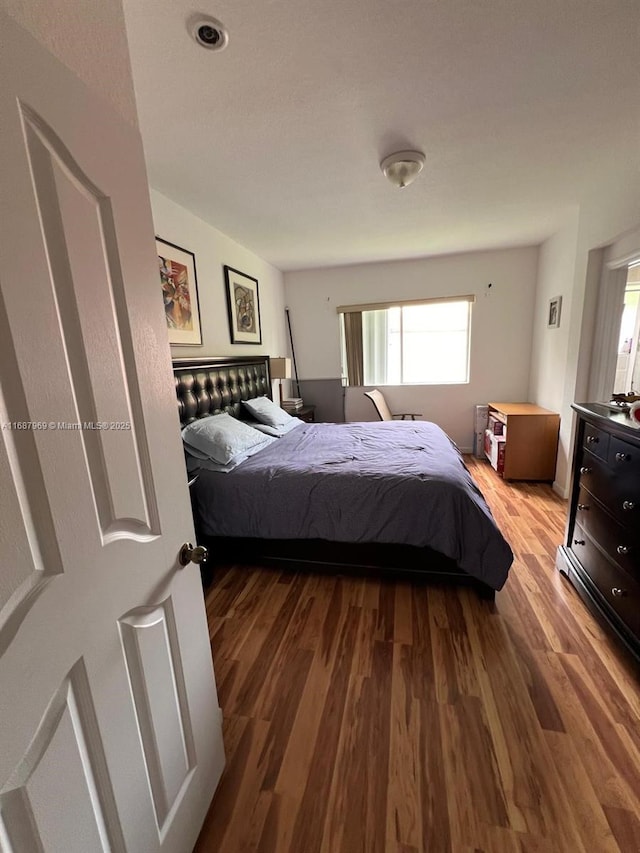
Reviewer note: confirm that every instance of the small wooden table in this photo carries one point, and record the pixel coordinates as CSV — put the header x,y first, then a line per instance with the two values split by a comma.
x,y
306,414
531,444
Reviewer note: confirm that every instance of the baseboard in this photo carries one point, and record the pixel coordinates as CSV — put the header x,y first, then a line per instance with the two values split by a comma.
x,y
560,490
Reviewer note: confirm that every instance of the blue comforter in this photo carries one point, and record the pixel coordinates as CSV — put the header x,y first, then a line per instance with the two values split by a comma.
x,y
395,482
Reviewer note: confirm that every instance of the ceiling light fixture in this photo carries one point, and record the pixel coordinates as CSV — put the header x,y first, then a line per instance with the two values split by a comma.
x,y
403,167
208,32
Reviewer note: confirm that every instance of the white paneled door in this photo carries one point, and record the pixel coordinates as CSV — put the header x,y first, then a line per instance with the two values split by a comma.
x,y
110,730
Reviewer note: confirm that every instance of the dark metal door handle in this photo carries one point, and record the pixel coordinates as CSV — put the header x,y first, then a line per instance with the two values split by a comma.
x,y
189,554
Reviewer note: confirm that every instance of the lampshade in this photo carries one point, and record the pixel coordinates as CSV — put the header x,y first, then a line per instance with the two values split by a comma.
x,y
280,368
402,167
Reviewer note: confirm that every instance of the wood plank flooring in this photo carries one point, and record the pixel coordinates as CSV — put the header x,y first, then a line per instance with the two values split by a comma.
x,y
369,715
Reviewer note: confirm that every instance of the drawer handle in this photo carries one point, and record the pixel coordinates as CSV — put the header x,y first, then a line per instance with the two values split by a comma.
x,y
592,439
583,506
618,592
623,549
585,470
578,541
621,457
628,505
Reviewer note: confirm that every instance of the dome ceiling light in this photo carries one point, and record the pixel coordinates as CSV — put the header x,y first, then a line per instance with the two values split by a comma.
x,y
403,167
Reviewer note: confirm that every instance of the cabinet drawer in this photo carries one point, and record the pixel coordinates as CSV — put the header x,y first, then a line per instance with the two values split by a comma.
x,y
621,544
615,487
620,592
596,441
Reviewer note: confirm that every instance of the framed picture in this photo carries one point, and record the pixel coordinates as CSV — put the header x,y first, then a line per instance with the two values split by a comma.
x,y
179,293
553,318
244,307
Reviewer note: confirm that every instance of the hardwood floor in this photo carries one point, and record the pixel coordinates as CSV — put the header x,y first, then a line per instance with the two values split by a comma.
x,y
371,715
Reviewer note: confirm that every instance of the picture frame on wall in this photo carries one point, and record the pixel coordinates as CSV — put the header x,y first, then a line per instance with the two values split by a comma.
x,y
179,285
243,303
553,316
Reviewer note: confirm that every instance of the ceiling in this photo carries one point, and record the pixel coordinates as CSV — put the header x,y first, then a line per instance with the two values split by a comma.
x,y
520,106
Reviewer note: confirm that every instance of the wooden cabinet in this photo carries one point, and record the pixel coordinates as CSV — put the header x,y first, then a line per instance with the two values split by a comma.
x,y
531,444
601,554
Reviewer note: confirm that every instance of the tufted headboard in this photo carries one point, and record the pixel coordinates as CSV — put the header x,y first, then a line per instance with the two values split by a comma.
x,y
208,386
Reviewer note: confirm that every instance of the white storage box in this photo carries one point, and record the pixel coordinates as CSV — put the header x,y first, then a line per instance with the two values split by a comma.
x,y
480,418
494,449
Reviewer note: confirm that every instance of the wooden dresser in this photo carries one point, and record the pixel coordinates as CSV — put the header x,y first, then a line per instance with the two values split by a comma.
x,y
601,555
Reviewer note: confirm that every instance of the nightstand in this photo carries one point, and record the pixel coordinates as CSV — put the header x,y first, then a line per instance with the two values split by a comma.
x,y
306,414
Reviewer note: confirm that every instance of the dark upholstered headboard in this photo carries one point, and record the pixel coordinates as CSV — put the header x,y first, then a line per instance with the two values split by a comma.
x,y
208,386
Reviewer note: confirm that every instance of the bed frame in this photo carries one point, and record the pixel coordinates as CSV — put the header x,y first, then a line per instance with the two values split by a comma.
x,y
206,386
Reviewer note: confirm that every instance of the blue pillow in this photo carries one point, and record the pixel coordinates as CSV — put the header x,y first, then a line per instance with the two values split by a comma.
x,y
198,463
267,412
278,431
222,438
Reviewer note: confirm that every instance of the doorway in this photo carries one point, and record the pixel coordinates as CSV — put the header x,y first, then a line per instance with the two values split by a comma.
x,y
627,376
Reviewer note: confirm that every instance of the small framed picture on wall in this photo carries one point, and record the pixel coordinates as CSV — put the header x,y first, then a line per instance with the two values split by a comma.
x,y
243,303
553,317
179,293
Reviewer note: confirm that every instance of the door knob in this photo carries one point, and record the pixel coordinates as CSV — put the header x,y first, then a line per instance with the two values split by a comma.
x,y
189,554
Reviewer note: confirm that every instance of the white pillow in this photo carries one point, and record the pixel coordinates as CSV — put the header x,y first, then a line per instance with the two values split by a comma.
x,y
280,430
222,438
267,412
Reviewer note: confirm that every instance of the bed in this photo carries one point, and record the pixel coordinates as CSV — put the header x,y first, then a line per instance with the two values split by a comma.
x,y
391,496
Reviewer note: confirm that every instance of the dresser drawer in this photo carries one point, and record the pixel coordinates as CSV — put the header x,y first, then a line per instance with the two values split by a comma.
x,y
621,544
615,486
621,593
624,456
596,440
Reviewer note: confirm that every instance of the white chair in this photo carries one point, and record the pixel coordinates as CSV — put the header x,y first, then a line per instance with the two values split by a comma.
x,y
383,410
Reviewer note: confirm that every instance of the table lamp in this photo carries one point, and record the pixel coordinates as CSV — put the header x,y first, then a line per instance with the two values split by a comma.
x,y
280,368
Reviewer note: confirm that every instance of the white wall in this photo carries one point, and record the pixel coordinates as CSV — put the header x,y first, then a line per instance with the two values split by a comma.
x,y
213,250
500,337
610,211
89,37
550,346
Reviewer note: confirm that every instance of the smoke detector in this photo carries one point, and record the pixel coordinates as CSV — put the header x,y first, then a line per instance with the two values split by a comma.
x,y
208,32
403,167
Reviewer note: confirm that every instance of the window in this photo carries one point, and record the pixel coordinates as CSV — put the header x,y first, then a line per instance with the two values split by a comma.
x,y
408,343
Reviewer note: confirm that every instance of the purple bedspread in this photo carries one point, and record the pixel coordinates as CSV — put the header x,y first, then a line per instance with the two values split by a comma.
x,y
399,482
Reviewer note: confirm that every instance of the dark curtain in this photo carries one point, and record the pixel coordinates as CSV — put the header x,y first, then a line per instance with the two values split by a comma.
x,y
353,345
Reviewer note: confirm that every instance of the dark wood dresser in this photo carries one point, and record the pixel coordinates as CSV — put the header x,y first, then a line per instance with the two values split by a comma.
x,y
601,556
